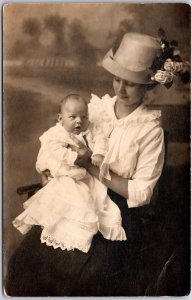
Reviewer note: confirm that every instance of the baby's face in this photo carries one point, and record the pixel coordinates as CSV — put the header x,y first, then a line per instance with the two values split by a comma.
x,y
74,116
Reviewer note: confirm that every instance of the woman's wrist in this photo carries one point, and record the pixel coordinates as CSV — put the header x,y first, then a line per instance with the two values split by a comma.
x,y
93,170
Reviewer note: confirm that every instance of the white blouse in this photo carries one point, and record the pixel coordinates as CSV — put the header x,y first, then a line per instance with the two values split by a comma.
x,y
136,146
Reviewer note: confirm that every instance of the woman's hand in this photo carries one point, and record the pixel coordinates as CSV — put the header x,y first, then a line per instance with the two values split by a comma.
x,y
84,153
117,183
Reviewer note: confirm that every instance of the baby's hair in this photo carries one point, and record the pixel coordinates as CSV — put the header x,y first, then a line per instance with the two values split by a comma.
x,y
72,97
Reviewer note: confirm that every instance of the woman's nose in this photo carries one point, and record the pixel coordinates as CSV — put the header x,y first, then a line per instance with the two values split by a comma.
x,y
121,86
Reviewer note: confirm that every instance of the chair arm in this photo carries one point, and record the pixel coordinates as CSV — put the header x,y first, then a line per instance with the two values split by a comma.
x,y
29,189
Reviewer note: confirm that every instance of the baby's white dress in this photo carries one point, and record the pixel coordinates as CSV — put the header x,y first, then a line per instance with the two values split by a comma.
x,y
74,205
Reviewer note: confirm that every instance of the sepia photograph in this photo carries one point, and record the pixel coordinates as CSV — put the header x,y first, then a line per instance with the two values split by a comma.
x,y
96,149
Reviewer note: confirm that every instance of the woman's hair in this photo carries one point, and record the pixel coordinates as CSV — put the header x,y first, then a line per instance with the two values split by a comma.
x,y
151,86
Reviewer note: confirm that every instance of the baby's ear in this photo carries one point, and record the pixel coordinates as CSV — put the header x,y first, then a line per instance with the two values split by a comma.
x,y
59,117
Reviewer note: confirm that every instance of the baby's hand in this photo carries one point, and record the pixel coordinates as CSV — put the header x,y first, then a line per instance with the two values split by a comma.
x,y
97,160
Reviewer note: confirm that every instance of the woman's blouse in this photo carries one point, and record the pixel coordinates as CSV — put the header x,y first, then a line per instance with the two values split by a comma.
x,y
136,146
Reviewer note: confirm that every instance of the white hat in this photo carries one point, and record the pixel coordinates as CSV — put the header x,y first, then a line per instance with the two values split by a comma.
x,y
134,57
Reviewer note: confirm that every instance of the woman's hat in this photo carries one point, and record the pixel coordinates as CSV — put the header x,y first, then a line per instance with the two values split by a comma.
x,y
133,58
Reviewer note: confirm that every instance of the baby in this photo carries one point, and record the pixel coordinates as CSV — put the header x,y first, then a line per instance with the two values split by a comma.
x,y
74,205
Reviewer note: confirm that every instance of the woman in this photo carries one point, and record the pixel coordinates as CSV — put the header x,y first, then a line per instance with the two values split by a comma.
x,y
135,159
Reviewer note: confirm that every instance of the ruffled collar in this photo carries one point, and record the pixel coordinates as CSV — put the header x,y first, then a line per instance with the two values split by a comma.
x,y
139,116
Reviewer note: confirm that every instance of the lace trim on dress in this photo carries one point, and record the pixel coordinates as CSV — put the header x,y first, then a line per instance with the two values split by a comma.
x,y
67,245
67,240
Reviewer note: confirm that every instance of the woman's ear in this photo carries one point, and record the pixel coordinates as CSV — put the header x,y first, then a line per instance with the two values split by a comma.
x,y
59,117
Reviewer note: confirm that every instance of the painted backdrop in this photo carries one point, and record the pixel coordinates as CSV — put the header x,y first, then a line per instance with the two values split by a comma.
x,y
53,49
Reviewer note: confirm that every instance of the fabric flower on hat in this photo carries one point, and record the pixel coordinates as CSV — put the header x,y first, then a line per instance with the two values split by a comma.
x,y
173,66
163,77
169,63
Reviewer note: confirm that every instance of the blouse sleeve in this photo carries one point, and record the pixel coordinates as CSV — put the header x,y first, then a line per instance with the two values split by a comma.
x,y
100,142
148,169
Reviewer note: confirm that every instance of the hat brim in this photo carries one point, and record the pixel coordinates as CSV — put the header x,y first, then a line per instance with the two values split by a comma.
x,y
143,77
